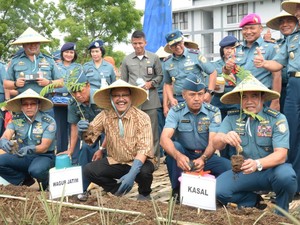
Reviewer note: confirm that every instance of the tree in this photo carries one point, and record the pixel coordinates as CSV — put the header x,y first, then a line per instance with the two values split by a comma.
x,y
17,15
86,20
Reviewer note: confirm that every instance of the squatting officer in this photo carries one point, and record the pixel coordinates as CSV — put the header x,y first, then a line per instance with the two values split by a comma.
x,y
34,131
192,125
182,62
263,135
289,56
31,69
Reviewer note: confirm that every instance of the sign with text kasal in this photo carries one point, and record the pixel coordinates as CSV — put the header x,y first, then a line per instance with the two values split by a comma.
x,y
198,191
67,181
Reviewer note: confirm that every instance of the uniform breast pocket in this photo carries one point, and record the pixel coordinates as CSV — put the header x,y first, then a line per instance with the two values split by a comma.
x,y
20,68
185,127
89,73
265,143
173,72
46,72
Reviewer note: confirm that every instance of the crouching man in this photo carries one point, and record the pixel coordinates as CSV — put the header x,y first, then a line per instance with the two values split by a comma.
x,y
128,137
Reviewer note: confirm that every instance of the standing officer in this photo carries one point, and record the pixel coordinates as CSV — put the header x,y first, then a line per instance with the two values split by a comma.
x,y
182,62
245,53
143,68
289,56
34,131
99,72
31,69
286,24
263,137
192,125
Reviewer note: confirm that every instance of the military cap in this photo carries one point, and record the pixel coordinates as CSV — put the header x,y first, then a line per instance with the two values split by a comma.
x,y
68,46
174,37
96,44
228,41
193,83
250,19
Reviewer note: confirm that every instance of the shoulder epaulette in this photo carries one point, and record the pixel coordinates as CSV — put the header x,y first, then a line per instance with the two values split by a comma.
x,y
167,58
233,112
18,116
179,106
211,107
47,56
194,51
47,119
72,101
271,112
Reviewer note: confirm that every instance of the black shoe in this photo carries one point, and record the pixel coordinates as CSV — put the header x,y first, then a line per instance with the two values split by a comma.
x,y
28,181
176,195
260,203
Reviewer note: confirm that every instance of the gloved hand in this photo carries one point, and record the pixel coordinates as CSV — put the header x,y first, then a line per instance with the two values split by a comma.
x,y
82,126
26,150
6,144
128,179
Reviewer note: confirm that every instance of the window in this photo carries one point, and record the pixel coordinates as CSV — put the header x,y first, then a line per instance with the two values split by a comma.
x,y
180,21
235,13
236,33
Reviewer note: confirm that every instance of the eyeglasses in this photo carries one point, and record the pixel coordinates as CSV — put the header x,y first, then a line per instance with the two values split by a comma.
x,y
120,96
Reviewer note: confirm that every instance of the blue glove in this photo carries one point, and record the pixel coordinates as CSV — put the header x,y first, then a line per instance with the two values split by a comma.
x,y
82,126
128,179
6,144
26,150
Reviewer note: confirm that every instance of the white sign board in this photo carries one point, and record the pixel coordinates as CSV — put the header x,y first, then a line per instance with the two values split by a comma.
x,y
198,191
67,181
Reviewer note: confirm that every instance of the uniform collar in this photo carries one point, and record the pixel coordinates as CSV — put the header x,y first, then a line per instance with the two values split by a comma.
x,y
202,110
145,55
259,41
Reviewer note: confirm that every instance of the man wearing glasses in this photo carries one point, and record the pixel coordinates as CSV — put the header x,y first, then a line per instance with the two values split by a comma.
x,y
128,141
188,132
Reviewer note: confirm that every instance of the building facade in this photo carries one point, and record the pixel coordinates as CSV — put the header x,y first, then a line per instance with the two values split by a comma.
x,y
206,22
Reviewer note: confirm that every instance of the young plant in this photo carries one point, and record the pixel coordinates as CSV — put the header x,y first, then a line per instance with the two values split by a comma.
x,y
70,83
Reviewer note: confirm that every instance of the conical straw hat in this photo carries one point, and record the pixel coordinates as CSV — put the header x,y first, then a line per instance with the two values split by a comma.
x,y
15,103
102,96
162,53
275,22
30,36
290,6
250,83
187,43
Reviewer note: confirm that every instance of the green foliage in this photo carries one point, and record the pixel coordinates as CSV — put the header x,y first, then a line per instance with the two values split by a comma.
x,y
17,16
86,20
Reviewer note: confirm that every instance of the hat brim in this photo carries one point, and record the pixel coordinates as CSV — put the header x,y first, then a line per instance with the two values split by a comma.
x,y
15,105
30,36
274,23
290,6
234,96
187,43
162,53
102,96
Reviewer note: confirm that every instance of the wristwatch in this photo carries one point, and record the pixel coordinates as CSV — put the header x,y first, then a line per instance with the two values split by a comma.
x,y
211,92
259,166
101,148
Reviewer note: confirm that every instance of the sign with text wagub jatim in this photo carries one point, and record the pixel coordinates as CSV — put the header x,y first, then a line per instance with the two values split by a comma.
x,y
67,181
198,191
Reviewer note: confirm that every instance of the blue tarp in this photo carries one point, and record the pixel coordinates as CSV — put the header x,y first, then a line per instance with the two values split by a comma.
x,y
157,23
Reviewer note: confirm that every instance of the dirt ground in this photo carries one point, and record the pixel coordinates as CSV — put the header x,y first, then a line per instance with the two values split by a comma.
x,y
31,208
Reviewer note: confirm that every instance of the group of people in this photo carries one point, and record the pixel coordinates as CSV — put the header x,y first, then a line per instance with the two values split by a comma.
x,y
164,100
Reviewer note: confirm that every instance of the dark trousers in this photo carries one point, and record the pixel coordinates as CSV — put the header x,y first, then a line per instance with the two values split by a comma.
x,y
105,175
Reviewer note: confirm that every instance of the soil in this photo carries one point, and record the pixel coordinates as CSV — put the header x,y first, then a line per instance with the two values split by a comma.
x,y
32,211
236,163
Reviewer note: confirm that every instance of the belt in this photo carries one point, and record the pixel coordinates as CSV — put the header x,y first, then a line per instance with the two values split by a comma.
x,y
198,151
177,95
294,74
